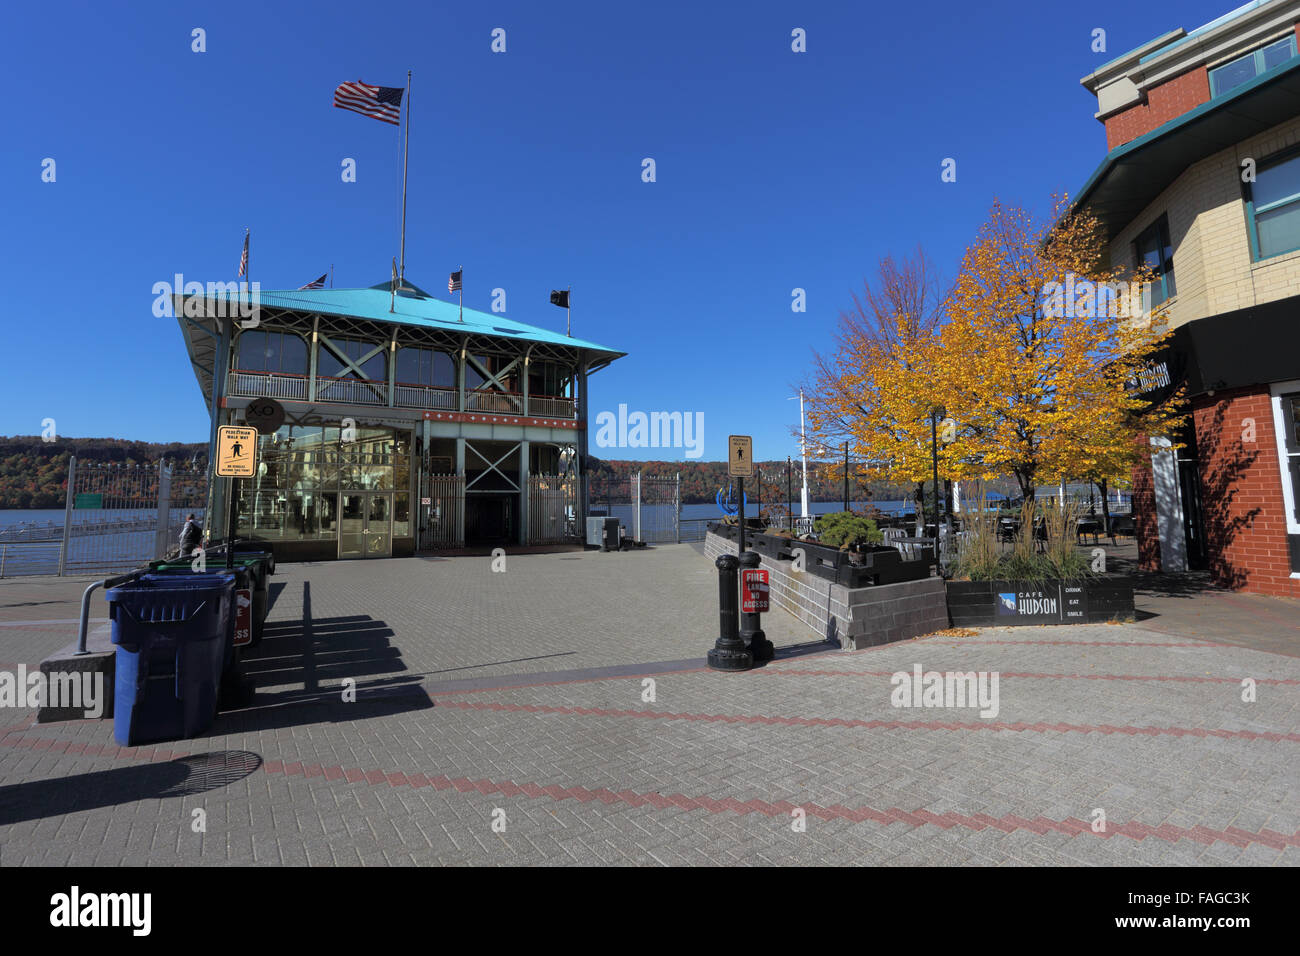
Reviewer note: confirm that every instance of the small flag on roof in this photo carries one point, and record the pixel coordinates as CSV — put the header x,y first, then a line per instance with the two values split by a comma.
x,y
243,258
316,283
453,281
383,103
560,298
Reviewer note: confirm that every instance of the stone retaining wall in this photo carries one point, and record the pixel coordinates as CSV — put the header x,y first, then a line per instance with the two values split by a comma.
x,y
854,618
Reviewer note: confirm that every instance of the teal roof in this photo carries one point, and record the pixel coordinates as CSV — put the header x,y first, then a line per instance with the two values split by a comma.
x,y
414,306
1133,174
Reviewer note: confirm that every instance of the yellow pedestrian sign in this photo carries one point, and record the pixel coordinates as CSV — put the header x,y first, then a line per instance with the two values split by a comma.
x,y
740,456
236,451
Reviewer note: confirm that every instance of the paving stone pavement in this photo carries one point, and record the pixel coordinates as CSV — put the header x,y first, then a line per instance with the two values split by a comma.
x,y
520,699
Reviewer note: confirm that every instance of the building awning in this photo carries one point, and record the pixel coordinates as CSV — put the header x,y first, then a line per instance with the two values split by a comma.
x,y
1223,351
1133,175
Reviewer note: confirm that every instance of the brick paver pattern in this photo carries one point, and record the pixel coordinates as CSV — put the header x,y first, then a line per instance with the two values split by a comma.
x,y
506,718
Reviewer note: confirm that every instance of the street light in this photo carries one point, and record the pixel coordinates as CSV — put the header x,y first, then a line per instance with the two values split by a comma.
x,y
936,412
803,454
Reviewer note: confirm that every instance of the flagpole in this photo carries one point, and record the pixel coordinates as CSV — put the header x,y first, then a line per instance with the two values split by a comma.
x,y
568,324
406,152
331,275
461,292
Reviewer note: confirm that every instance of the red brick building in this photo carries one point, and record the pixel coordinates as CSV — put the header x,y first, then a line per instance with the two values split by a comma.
x,y
1201,181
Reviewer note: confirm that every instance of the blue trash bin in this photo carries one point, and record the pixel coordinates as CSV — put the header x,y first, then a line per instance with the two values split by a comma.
x,y
172,634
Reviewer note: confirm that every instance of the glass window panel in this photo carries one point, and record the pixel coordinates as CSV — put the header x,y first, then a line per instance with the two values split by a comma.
x,y
1231,75
401,515
293,354
1276,182
1279,52
412,366
1279,230
444,370
250,353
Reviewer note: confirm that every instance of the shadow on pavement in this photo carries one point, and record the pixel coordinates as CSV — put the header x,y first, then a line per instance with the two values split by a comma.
x,y
299,674
197,773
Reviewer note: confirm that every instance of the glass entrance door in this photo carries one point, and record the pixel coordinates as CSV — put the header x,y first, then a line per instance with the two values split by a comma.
x,y
365,525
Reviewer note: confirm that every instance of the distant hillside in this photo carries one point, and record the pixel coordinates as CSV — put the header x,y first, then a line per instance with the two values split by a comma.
x,y
702,479
33,472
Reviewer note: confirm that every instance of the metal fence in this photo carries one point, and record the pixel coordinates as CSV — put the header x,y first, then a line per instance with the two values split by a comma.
x,y
442,512
115,517
552,509
649,506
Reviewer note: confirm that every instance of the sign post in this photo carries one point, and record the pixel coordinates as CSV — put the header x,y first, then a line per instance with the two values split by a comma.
x,y
236,458
740,465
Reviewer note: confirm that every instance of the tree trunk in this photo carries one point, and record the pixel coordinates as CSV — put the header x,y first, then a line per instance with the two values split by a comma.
x,y
1105,511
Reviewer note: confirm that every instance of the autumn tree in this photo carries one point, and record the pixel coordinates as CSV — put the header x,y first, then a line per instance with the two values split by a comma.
x,y
1041,343
877,388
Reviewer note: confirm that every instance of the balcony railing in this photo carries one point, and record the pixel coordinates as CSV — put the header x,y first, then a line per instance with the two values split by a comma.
x,y
268,385
354,391
550,406
509,403
351,391
424,396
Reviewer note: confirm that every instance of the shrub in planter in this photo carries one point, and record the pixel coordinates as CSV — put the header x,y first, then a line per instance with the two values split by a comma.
x,y
842,528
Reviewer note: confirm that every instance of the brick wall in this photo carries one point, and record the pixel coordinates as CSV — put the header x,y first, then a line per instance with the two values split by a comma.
x,y
1144,512
1167,101
1241,486
1207,224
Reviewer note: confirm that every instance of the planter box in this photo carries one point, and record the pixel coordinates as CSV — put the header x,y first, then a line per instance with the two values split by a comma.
x,y
770,545
1010,603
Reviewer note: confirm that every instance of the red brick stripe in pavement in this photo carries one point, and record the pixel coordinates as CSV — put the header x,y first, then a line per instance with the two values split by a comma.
x,y
1040,727
1004,674
1008,823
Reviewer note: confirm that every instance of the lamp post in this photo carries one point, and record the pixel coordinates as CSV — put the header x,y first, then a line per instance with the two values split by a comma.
x,y
803,454
936,412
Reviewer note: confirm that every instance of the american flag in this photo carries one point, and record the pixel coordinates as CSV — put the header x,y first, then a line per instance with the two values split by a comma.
x,y
243,258
383,103
316,283
453,281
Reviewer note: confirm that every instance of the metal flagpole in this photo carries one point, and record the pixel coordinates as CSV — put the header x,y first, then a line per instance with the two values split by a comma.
x,y
461,293
568,306
406,152
331,275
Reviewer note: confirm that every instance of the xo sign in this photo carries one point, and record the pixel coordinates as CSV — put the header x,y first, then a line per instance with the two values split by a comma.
x,y
264,414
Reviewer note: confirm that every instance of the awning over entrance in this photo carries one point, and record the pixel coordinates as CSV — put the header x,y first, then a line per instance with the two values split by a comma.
x,y
1228,351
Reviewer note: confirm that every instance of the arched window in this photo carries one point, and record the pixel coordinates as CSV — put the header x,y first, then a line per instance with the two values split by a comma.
x,y
262,351
375,368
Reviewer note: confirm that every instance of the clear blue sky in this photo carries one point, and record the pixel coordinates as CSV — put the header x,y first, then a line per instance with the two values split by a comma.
x,y
775,170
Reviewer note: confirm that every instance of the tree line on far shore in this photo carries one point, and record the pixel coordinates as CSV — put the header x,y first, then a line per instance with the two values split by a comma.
x,y
34,472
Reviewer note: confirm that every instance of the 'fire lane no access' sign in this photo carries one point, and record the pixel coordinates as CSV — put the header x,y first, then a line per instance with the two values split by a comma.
x,y
740,456
236,451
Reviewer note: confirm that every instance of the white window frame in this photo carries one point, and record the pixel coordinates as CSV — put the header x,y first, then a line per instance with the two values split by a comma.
x,y
1278,389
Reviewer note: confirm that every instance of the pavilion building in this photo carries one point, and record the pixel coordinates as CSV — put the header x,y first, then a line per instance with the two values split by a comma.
x,y
410,425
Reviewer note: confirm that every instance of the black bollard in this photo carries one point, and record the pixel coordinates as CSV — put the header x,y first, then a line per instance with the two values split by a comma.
x,y
751,625
729,654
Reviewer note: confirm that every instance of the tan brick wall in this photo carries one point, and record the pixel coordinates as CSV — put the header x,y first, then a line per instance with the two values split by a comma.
x,y
1207,225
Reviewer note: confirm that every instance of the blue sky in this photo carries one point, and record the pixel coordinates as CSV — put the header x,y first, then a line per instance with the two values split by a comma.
x,y
775,170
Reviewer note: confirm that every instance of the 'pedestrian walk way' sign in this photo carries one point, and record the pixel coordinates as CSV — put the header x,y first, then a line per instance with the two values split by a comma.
x,y
236,451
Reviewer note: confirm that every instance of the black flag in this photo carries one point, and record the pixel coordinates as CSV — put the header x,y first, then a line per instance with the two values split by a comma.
x,y
560,298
